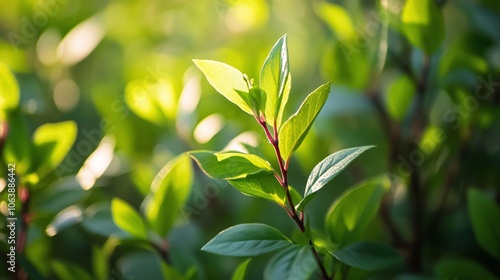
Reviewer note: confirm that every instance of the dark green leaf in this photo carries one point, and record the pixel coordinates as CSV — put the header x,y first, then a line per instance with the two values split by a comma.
x,y
354,209
423,24
296,262
227,80
484,215
275,81
230,165
328,169
368,256
462,269
126,218
295,129
247,240
169,191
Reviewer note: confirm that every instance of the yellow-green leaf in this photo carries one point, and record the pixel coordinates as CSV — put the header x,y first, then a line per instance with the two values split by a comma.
x,y
127,219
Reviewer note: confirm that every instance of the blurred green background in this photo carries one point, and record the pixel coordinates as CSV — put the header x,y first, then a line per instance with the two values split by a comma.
x,y
123,72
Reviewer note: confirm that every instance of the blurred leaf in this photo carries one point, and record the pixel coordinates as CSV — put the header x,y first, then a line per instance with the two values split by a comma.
x,y
328,169
61,194
239,273
128,219
169,191
423,24
227,80
295,129
247,240
399,97
230,165
66,270
140,264
170,273
368,256
337,19
17,145
9,91
484,214
296,262
98,219
462,269
51,143
64,219
261,185
347,64
100,264
354,209
275,81
152,101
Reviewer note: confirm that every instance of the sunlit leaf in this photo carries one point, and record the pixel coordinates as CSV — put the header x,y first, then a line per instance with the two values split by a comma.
x,y
239,273
9,90
423,24
275,81
338,20
295,129
399,97
227,80
328,169
247,240
368,256
17,147
126,218
230,165
484,214
52,142
296,262
354,209
264,186
169,191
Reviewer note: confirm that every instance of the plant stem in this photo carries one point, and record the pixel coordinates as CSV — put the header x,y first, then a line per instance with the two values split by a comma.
x,y
292,212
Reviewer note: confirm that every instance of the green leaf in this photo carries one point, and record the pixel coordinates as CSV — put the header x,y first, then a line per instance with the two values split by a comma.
x,y
227,80
354,209
337,19
399,97
275,81
368,256
17,147
66,270
51,143
328,169
462,269
247,240
100,264
230,165
423,24
295,129
484,214
296,262
126,218
259,185
239,273
169,191
9,91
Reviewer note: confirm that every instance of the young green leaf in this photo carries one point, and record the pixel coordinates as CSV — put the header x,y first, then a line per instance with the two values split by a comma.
x,y
354,209
239,273
261,185
247,240
127,219
9,90
328,169
18,145
169,191
484,214
423,24
368,256
296,262
295,129
227,80
275,81
51,144
230,165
